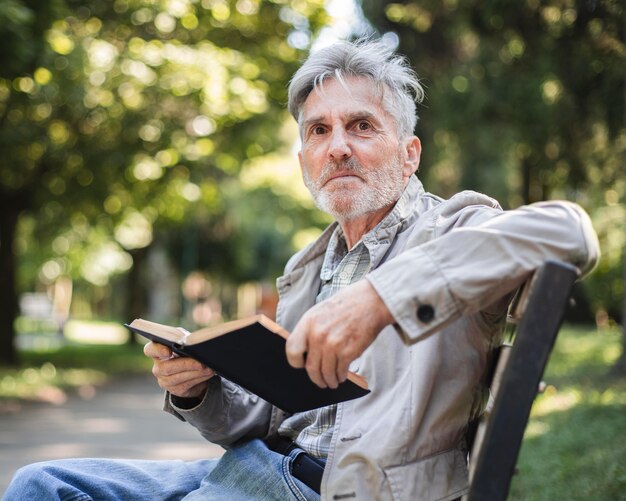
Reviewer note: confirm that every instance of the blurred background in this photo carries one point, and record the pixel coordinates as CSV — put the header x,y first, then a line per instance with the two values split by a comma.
x,y
148,169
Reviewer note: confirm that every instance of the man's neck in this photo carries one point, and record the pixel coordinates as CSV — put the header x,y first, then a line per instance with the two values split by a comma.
x,y
354,229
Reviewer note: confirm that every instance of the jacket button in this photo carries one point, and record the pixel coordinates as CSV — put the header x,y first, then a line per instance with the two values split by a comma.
x,y
425,313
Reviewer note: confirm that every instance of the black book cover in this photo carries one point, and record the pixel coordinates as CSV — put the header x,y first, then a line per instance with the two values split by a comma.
x,y
254,357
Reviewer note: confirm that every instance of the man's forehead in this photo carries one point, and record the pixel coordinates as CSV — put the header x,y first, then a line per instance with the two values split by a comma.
x,y
349,95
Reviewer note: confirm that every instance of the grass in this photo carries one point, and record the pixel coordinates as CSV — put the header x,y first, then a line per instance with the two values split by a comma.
x,y
48,372
575,443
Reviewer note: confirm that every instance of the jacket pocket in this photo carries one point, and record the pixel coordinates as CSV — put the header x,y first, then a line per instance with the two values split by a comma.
x,y
435,478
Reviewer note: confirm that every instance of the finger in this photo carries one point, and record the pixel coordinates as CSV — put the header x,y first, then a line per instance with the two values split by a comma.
x,y
180,365
329,369
191,388
313,367
343,366
184,379
296,347
156,351
191,382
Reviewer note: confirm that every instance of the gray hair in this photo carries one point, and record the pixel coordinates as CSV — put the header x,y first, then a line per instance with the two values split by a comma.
x,y
397,82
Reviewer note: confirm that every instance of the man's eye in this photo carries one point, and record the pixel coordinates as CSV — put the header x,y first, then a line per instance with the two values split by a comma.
x,y
317,130
363,126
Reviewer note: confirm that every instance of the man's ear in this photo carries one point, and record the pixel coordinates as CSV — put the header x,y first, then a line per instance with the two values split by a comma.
x,y
413,151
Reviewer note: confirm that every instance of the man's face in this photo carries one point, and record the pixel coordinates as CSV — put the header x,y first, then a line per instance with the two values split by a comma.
x,y
353,162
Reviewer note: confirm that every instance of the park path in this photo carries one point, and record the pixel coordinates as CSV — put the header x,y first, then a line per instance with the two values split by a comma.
x,y
123,419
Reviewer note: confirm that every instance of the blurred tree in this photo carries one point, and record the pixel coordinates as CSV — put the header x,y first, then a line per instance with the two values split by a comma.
x,y
120,119
525,102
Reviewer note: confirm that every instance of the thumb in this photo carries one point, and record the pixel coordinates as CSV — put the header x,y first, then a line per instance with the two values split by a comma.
x,y
156,351
296,347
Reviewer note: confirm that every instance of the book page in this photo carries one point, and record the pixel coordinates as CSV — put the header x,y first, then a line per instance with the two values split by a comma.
x,y
219,330
174,334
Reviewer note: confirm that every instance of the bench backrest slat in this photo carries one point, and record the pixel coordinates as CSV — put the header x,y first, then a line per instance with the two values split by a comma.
x,y
540,310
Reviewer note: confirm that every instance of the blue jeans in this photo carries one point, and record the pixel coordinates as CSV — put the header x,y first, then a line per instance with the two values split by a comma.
x,y
247,471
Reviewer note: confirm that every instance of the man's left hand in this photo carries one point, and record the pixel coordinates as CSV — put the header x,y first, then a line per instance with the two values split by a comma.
x,y
336,331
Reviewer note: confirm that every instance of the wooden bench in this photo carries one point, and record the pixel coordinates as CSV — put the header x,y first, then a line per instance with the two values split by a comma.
x,y
537,313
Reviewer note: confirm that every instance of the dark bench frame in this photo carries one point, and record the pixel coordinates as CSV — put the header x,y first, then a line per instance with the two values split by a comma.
x,y
540,307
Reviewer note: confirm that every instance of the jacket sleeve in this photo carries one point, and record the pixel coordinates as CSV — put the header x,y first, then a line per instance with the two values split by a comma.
x,y
228,413
477,255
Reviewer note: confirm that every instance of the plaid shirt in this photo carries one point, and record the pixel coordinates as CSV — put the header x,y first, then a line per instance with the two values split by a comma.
x,y
312,430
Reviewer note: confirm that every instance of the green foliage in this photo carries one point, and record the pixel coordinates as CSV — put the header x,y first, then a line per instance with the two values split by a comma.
x,y
134,113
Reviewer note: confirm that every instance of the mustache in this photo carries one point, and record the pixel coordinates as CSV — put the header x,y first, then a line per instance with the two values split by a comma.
x,y
331,168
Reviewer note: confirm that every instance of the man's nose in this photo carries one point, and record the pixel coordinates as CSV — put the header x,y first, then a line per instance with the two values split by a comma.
x,y
339,147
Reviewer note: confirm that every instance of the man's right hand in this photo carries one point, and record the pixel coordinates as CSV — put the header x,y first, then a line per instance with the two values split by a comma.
x,y
181,376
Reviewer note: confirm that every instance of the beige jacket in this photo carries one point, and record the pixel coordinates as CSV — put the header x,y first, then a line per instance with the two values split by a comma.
x,y
445,270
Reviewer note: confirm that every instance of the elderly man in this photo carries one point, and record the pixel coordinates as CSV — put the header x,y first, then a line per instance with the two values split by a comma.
x,y
405,288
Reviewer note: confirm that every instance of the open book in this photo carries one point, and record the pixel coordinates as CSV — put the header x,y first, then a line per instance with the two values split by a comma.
x,y
251,353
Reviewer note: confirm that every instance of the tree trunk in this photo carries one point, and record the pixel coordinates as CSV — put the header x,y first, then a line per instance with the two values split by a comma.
x,y
8,292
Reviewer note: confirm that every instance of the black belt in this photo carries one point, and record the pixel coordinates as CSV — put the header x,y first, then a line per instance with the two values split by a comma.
x,y
304,467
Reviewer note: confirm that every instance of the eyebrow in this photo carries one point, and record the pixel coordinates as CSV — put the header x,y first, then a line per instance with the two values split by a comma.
x,y
351,117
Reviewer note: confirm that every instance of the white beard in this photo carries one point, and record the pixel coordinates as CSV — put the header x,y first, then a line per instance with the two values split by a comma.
x,y
384,187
